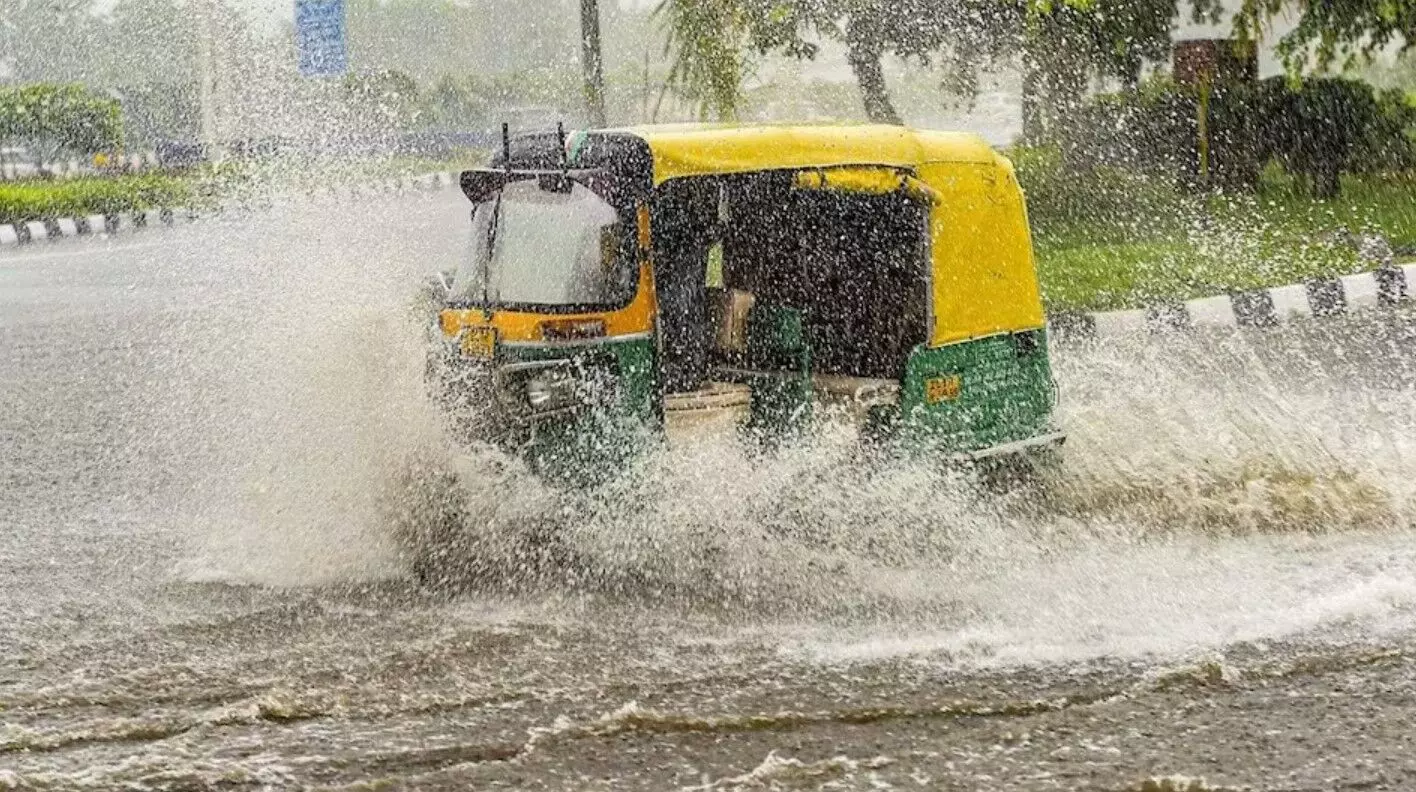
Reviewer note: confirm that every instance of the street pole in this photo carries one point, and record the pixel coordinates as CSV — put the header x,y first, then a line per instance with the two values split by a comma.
x,y
206,77
591,63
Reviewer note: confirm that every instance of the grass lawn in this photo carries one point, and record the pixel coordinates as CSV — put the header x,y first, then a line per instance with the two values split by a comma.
x,y
1181,247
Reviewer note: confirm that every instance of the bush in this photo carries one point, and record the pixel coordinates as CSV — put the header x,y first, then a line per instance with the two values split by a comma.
x,y
24,201
1319,131
1391,146
1151,129
1316,130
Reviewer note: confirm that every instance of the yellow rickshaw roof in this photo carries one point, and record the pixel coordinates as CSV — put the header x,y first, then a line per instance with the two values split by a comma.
x,y
705,149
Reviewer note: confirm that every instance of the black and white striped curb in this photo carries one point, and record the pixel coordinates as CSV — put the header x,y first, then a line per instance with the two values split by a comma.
x,y
1389,285
12,235
42,230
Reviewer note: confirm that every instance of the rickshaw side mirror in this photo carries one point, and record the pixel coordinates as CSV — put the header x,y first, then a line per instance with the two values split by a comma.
x,y
479,185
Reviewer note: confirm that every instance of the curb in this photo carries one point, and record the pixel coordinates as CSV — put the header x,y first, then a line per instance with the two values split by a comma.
x,y
35,231
1389,285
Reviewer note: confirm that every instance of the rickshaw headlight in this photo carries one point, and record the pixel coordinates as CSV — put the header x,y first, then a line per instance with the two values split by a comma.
x,y
540,392
546,388
551,393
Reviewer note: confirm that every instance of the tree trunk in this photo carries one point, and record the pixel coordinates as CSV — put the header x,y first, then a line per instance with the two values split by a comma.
x,y
873,92
864,54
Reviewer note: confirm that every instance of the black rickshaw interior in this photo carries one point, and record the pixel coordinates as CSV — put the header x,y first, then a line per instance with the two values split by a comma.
x,y
850,268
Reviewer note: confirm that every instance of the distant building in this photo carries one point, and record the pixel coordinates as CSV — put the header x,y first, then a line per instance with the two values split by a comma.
x,y
1219,61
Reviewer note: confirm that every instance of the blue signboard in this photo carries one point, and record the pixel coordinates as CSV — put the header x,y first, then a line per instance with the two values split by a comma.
x,y
319,37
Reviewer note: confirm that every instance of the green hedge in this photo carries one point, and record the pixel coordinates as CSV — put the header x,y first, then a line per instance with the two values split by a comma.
x,y
47,200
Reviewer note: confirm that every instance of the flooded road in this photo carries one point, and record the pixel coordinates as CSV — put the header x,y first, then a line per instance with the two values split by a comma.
x,y
202,433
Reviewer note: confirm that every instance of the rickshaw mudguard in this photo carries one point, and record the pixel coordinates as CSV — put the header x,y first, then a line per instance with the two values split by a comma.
x,y
971,396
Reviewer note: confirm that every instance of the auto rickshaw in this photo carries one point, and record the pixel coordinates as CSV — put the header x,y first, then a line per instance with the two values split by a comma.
x,y
622,286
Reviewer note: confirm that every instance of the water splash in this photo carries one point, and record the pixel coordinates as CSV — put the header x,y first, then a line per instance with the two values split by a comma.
x,y
1296,430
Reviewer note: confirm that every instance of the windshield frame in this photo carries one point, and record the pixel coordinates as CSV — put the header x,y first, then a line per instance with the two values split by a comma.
x,y
631,252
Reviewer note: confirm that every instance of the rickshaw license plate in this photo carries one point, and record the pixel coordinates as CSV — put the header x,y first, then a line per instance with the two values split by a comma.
x,y
479,342
942,389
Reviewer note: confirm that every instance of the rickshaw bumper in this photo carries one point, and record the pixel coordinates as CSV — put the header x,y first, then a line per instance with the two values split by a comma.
x,y
1042,442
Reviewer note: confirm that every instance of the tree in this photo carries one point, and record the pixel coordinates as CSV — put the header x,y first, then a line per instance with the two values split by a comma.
x,y
60,119
389,98
710,41
592,64
454,104
1061,42
1066,43
1329,29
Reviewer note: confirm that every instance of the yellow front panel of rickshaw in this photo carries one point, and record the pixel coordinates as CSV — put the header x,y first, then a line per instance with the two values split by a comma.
x,y
528,326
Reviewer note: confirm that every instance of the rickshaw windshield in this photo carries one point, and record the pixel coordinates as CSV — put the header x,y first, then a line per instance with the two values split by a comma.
x,y
546,248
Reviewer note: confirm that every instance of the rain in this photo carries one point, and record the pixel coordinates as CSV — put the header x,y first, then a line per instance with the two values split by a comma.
x,y
707,394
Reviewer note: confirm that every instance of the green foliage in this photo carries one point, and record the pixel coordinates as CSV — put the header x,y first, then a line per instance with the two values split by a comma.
x,y
1278,237
1390,145
24,201
1111,238
710,42
453,103
1064,40
155,111
1329,30
60,119
1318,130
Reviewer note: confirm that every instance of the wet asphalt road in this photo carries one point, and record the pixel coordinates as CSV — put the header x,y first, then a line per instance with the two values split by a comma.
x,y
199,589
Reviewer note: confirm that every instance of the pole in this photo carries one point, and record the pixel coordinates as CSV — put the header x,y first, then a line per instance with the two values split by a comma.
x,y
591,63
206,78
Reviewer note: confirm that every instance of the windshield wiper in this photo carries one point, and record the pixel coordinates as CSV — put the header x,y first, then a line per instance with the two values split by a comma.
x,y
493,224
